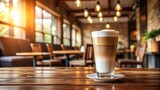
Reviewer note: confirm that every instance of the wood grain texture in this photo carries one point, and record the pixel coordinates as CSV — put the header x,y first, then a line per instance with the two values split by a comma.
x,y
68,52
74,78
47,53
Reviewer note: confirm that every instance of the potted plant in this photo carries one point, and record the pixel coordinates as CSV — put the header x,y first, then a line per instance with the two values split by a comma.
x,y
150,38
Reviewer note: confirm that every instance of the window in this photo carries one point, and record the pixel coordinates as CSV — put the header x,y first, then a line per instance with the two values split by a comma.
x,y
66,34
78,37
12,24
47,21
38,24
54,31
45,26
74,32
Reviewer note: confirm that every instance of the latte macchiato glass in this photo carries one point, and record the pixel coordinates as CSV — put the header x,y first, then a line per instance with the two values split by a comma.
x,y
105,45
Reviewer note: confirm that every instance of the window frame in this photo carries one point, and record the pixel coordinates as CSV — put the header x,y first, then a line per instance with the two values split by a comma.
x,y
10,24
53,17
75,37
66,37
78,37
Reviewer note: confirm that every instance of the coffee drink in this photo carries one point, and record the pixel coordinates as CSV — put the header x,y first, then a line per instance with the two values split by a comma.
x,y
105,45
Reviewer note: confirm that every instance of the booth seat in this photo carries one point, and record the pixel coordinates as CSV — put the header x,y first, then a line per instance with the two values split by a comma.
x,y
9,47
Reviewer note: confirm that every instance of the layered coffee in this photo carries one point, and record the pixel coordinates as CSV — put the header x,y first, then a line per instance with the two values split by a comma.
x,y
105,44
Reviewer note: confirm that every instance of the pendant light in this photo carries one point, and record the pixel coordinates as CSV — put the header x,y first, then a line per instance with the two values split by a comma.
x,y
98,7
78,3
118,6
91,20
118,13
89,17
86,12
101,19
100,14
107,25
115,18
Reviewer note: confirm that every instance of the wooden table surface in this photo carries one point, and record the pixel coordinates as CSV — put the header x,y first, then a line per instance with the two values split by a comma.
x,y
47,53
68,52
32,53
66,78
65,52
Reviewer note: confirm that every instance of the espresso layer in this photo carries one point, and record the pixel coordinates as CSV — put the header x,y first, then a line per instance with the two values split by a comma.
x,y
105,56
105,44
105,40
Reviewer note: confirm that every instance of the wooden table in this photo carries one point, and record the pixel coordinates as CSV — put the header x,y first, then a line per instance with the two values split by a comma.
x,y
67,53
65,78
34,54
63,52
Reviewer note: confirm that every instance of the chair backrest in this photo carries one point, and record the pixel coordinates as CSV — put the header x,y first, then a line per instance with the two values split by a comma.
x,y
36,48
140,51
63,47
50,50
76,48
89,53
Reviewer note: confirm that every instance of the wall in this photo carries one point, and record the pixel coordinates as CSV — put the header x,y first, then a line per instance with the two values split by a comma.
x,y
141,18
121,27
153,23
30,18
153,14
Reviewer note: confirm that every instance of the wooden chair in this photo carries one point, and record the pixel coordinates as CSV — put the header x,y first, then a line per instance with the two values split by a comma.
x,y
88,57
65,48
140,50
43,62
50,49
76,48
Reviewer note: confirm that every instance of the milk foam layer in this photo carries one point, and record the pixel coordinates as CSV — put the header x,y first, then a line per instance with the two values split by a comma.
x,y
105,33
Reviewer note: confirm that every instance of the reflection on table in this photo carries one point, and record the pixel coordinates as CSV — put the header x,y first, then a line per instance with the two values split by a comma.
x,y
60,78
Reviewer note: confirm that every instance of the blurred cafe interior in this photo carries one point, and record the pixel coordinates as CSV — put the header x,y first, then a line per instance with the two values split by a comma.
x,y
56,34
69,23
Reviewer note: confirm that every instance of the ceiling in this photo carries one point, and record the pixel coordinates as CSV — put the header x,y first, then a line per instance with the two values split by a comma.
x,y
107,9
